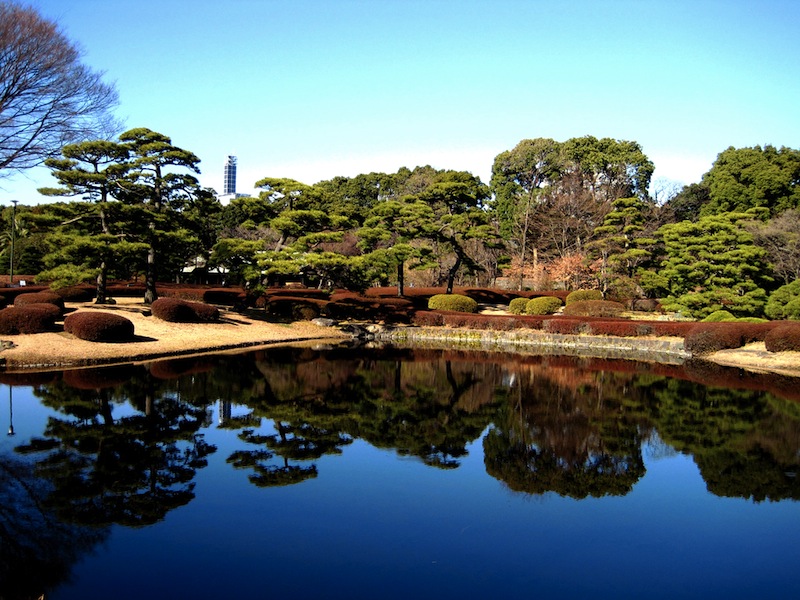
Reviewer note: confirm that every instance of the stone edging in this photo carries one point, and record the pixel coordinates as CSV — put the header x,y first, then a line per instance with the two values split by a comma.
x,y
665,350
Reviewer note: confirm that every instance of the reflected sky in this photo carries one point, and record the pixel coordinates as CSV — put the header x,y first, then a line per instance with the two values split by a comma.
x,y
385,515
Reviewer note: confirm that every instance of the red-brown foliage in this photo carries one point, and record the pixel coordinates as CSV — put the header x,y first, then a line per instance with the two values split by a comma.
x,y
472,321
99,377
40,298
30,318
345,305
622,328
76,293
703,338
224,296
566,326
783,337
96,326
593,308
427,318
176,310
294,308
174,368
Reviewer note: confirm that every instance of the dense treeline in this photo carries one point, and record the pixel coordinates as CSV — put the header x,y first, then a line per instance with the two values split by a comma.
x,y
555,215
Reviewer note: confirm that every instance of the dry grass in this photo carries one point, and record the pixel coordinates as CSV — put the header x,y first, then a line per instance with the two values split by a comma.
x,y
154,338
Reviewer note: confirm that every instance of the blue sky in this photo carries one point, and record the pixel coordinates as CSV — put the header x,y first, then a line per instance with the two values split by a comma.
x,y
311,89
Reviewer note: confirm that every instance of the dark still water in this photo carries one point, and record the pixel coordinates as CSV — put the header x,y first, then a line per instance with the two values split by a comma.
x,y
298,473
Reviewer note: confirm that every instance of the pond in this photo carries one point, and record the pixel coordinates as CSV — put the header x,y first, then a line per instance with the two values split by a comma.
x,y
396,473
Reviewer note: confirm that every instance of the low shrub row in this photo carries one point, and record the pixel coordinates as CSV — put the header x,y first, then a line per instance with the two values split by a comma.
x,y
593,308
783,337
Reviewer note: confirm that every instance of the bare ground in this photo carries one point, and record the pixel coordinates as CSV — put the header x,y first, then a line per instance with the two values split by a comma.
x,y
154,339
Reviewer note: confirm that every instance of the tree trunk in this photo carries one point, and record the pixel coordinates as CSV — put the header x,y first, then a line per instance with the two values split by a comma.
x,y
451,274
400,278
101,296
150,294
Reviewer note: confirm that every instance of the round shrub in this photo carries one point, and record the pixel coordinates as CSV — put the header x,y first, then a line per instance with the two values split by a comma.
x,y
76,293
454,302
780,299
581,295
30,318
594,308
705,338
783,338
175,310
517,306
543,305
99,326
40,298
719,316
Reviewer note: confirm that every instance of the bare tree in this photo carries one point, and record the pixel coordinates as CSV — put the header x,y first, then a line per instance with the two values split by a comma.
x,y
48,98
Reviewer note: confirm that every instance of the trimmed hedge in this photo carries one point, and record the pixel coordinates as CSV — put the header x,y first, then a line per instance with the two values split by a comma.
x,y
704,338
581,295
543,305
293,308
517,306
593,308
40,298
453,302
175,310
76,293
782,338
29,318
95,326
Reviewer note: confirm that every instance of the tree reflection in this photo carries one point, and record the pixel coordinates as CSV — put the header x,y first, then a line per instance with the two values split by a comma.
x,y
566,431
37,549
130,470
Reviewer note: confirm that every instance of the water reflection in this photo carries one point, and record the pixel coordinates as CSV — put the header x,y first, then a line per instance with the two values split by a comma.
x,y
125,445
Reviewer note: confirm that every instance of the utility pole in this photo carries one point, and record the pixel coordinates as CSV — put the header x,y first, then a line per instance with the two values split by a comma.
x,y
13,235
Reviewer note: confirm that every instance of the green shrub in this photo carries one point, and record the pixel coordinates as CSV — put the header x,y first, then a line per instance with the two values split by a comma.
x,y
517,306
175,310
99,326
581,295
779,301
454,302
29,318
594,308
543,305
719,316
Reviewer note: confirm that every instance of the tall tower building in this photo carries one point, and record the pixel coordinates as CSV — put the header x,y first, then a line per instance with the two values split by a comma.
x,y
229,177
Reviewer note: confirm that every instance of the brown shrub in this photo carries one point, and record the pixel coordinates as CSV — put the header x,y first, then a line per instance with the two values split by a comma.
x,y
224,296
294,308
620,328
40,298
30,318
354,306
671,328
94,326
783,337
593,308
704,338
175,310
566,326
427,318
646,305
76,293
177,367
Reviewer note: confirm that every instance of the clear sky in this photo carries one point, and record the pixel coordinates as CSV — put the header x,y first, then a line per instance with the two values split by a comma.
x,y
312,89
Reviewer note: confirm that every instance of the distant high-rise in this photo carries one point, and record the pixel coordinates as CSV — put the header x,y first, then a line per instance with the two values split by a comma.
x,y
229,178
